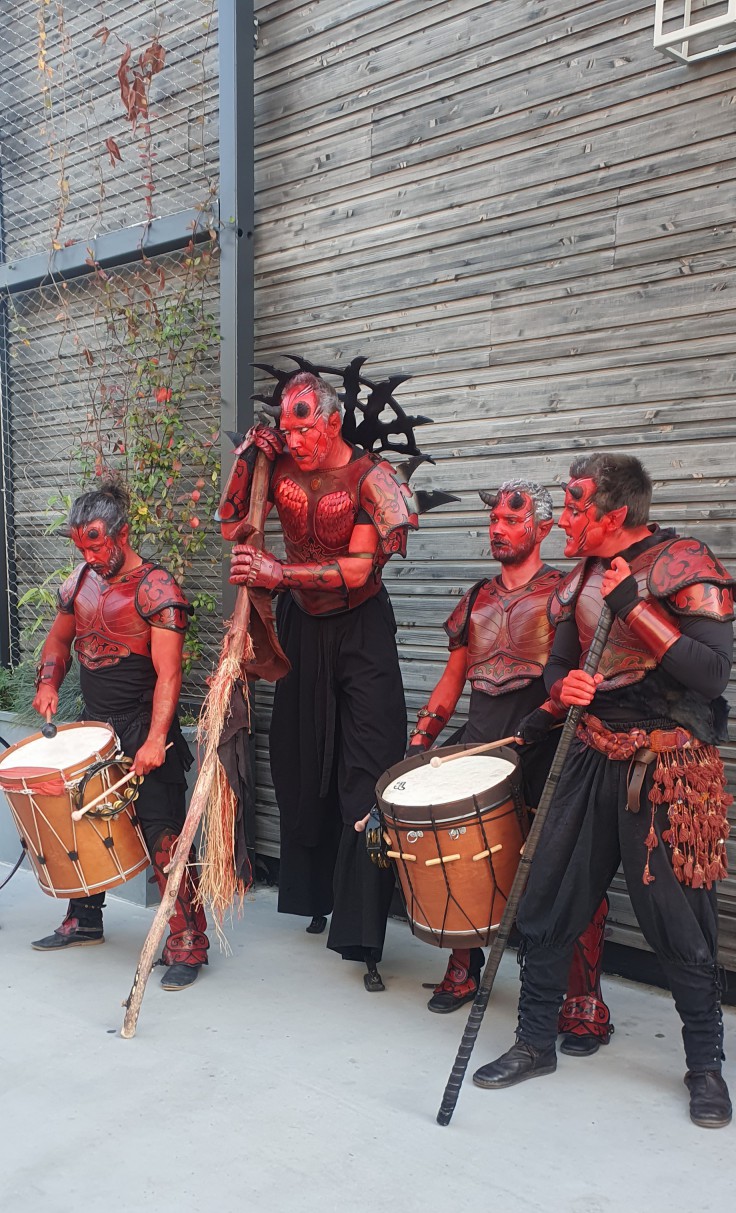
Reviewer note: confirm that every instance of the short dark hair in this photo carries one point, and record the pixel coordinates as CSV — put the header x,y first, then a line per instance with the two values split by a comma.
x,y
620,480
110,503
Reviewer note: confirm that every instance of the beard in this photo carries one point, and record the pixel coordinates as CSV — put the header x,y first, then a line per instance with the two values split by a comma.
x,y
506,554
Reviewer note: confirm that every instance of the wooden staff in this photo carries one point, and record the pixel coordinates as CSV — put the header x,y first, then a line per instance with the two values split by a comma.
x,y
221,685
477,1011
437,761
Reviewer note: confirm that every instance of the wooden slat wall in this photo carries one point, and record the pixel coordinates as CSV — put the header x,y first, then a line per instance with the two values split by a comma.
x,y
531,211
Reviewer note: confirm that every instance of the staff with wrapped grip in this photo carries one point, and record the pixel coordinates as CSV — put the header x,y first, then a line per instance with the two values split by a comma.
x,y
477,1011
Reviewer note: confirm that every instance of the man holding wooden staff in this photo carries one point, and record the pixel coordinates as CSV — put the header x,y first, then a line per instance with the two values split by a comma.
x,y
339,717
500,639
126,619
644,782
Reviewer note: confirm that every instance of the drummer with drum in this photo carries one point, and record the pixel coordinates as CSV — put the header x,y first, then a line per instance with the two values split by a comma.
x,y
126,619
500,638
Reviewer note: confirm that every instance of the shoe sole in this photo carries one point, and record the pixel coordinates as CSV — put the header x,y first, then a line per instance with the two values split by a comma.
x,y
62,947
712,1124
513,1082
463,1002
176,989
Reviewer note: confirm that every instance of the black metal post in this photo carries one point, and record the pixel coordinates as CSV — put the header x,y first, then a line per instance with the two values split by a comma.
x,y
8,646
237,54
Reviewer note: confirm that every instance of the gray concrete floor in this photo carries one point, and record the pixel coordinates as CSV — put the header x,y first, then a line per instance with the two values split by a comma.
x,y
277,1083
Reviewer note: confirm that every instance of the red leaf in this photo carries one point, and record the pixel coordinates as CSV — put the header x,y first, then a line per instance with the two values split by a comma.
x,y
123,75
88,357
154,57
102,33
114,150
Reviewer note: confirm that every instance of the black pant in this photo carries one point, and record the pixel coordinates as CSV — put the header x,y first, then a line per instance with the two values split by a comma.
x,y
587,833
339,721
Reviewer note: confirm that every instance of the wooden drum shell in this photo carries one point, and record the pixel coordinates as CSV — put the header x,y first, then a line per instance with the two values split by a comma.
x,y
105,851
457,902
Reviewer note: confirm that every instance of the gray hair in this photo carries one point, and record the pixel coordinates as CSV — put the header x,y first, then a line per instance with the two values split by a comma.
x,y
327,399
539,496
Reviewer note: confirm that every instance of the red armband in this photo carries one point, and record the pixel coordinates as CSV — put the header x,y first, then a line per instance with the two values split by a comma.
x,y
653,627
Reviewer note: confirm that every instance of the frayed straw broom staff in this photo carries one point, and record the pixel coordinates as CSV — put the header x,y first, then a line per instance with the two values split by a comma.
x,y
237,648
477,1010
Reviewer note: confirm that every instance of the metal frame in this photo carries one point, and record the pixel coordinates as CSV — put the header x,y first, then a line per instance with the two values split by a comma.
x,y
676,42
237,54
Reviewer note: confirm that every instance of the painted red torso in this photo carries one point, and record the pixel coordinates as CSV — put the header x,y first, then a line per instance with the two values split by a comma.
x,y
114,619
507,632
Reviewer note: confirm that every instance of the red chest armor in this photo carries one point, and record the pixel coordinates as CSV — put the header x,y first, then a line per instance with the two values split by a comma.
x,y
317,510
113,619
509,636
625,659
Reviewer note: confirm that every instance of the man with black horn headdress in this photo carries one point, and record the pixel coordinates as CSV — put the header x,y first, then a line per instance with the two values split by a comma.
x,y
644,782
339,718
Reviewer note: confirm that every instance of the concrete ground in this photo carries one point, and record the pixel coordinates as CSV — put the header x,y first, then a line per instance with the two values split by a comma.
x,y
278,1083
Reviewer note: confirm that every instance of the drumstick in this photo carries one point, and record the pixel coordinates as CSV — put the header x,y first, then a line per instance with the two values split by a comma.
x,y
78,814
477,749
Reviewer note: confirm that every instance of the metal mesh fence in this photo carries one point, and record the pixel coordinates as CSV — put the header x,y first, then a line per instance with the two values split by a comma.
x,y
108,121
83,396
99,131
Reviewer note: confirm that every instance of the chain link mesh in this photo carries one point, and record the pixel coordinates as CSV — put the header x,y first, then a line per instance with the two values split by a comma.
x,y
108,120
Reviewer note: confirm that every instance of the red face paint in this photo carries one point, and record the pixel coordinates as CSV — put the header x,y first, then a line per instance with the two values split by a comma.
x,y
512,528
580,518
309,436
104,555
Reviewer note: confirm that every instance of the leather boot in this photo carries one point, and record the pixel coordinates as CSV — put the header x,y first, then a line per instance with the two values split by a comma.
x,y
81,928
460,983
522,1061
185,950
585,1021
317,925
710,1106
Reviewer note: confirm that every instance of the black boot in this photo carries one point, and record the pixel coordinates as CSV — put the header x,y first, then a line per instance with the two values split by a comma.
x,y
710,1106
317,925
81,928
179,976
372,980
460,983
522,1061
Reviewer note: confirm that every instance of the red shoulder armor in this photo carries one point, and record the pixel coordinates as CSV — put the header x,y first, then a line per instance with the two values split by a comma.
x,y
70,588
389,503
456,625
561,605
160,601
692,580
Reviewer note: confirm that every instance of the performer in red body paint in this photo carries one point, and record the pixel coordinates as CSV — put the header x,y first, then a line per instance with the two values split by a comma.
x,y
643,783
126,619
500,640
339,718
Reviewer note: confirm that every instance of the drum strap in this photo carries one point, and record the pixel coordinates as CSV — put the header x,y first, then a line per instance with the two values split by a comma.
x,y
18,862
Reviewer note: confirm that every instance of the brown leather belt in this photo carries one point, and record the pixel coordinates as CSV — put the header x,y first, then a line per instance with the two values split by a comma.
x,y
638,745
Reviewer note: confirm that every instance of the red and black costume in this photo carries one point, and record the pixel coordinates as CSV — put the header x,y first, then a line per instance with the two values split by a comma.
x,y
508,637
113,622
339,717
643,784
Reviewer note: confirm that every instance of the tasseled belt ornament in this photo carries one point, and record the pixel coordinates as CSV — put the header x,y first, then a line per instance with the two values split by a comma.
x,y
689,778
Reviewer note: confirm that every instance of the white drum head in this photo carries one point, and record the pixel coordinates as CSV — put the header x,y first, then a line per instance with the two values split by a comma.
x,y
67,749
456,780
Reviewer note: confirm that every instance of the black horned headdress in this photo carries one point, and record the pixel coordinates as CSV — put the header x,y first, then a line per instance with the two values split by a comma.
x,y
364,423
